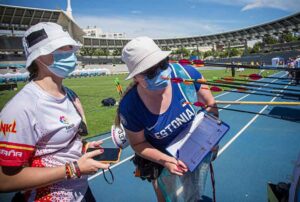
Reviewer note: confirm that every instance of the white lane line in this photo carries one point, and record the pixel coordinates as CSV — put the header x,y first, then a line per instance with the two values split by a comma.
x,y
240,132
221,94
252,92
105,138
246,126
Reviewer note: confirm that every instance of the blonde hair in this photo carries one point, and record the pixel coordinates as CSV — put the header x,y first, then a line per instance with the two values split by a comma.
x,y
129,87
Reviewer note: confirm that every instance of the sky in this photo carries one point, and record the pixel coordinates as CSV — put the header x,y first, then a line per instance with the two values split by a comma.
x,y
169,18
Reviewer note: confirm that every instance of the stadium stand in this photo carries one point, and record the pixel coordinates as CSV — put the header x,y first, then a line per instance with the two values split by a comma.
x,y
100,59
15,19
263,58
11,43
295,45
19,18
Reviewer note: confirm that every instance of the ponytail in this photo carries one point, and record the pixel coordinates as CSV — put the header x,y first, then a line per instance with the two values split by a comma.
x,y
117,118
33,71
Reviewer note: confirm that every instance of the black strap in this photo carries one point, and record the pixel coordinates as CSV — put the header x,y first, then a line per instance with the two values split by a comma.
x,y
212,177
111,174
82,129
72,96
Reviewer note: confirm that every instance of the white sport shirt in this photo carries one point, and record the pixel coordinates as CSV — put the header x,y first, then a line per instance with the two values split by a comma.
x,y
39,130
297,63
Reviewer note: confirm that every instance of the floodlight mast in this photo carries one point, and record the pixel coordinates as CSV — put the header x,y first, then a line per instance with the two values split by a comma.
x,y
69,9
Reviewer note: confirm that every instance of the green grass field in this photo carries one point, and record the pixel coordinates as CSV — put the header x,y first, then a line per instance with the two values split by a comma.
x,y
92,90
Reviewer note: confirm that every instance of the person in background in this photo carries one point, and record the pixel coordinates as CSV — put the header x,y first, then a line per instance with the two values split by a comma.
x,y
232,69
290,64
151,107
297,67
41,147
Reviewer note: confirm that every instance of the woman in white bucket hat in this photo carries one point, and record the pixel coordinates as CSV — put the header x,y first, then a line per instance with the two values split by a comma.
x,y
152,111
41,150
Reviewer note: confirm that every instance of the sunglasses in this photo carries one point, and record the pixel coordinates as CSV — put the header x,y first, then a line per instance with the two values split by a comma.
x,y
152,72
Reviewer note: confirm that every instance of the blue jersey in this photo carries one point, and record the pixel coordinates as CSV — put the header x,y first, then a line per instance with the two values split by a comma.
x,y
160,129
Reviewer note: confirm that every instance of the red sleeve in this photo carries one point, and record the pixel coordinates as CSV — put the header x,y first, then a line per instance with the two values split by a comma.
x,y
14,154
17,135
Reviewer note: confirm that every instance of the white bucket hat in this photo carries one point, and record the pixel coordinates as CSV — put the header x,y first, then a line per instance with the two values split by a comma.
x,y
140,54
44,38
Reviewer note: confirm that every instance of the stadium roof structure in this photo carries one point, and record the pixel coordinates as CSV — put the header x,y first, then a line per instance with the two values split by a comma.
x,y
16,18
290,23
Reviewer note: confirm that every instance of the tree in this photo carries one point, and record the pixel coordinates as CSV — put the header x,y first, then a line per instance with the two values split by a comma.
x,y
84,51
268,39
223,54
116,52
197,53
165,48
287,37
257,47
234,52
207,54
106,52
183,52
246,51
98,52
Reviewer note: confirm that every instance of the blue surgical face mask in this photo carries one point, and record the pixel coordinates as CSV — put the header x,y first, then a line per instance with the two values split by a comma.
x,y
64,63
158,83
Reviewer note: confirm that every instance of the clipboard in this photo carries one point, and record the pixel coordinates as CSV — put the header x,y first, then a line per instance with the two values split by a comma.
x,y
196,141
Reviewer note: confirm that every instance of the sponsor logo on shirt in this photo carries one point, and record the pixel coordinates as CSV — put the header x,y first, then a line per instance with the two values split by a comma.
x,y
15,154
6,128
11,152
65,121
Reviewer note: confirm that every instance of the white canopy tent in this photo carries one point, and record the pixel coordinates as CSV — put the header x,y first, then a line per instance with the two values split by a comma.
x,y
90,72
277,61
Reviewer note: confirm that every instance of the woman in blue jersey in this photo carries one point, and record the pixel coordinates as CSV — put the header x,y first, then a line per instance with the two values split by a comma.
x,y
41,150
152,110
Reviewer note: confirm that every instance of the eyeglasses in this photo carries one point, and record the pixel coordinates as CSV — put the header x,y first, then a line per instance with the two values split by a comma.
x,y
152,72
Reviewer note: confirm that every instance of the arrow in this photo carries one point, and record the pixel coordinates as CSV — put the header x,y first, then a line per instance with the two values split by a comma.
x,y
239,88
242,88
203,106
218,89
251,67
231,79
252,85
256,77
257,103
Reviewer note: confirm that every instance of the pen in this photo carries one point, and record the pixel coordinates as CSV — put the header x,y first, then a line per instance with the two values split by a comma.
x,y
177,154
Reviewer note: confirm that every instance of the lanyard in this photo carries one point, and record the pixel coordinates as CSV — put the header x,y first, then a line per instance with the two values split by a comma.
x,y
111,174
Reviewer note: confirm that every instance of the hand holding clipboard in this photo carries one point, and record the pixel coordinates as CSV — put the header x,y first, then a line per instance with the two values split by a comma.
x,y
198,139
